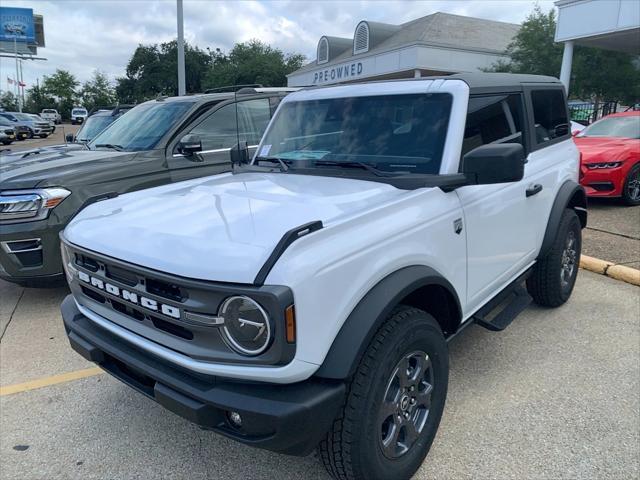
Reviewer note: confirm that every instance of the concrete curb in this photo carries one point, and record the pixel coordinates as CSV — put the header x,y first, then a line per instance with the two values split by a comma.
x,y
617,272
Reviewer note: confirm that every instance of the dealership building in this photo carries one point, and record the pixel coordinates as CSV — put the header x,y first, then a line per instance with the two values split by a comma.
x,y
437,44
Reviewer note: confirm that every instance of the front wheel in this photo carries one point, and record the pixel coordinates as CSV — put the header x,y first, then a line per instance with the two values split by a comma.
x,y
631,189
394,404
554,275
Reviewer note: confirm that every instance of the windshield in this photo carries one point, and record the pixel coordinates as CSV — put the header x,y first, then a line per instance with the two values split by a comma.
x,y
143,126
78,111
93,126
400,133
48,111
627,126
24,116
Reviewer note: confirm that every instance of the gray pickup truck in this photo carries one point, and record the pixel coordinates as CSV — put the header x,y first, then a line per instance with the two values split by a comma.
x,y
158,142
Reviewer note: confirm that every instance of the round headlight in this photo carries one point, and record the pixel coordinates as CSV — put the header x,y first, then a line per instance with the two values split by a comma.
x,y
246,326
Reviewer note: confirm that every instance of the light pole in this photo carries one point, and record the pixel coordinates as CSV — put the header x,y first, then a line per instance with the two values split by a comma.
x,y
182,89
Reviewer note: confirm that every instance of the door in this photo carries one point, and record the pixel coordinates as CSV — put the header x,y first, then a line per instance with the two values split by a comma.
x,y
220,130
500,236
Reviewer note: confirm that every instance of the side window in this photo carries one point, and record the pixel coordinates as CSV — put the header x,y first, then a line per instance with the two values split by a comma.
x,y
549,115
219,129
493,119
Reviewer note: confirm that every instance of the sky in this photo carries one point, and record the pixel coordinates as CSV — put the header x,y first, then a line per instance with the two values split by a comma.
x,y
82,36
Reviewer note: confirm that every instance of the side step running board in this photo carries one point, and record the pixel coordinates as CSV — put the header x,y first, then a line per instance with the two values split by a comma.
x,y
503,309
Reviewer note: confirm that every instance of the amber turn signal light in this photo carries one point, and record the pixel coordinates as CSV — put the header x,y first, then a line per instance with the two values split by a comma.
x,y
290,320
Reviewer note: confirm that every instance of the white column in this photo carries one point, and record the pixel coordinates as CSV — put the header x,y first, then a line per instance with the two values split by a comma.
x,y
182,88
567,59
416,73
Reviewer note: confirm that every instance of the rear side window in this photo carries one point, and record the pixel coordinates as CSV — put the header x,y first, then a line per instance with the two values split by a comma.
x,y
549,115
493,119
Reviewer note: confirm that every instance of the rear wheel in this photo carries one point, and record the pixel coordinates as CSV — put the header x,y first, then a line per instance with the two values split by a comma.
x,y
631,189
554,276
394,404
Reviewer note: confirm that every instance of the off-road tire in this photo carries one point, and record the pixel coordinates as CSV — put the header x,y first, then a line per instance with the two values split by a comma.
x,y
545,284
352,448
626,194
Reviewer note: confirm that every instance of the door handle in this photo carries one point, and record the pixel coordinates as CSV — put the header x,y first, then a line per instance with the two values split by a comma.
x,y
533,189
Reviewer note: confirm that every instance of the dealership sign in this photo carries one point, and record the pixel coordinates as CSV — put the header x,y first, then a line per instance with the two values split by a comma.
x,y
338,73
16,24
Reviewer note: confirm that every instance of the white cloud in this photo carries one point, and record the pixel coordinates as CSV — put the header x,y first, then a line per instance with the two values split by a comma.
x,y
83,36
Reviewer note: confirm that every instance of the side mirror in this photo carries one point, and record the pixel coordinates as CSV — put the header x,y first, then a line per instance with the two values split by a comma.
x,y
561,130
575,132
189,145
70,138
240,153
494,163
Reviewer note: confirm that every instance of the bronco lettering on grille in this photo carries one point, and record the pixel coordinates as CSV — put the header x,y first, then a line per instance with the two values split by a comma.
x,y
130,297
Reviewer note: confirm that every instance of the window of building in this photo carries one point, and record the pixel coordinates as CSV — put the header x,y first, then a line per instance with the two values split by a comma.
x,y
549,115
493,119
323,51
361,38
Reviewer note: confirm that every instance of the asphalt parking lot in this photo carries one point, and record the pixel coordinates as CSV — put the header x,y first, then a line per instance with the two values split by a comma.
x,y
56,138
556,395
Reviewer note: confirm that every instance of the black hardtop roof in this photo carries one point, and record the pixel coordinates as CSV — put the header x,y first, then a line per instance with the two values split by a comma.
x,y
208,97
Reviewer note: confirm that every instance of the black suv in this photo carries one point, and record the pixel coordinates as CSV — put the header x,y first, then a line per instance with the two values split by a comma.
x,y
160,141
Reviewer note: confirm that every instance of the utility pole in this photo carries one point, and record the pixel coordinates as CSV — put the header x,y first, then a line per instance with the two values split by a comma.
x,y
17,79
182,89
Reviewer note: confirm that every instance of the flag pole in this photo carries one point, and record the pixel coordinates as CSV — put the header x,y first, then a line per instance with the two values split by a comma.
x,y
15,52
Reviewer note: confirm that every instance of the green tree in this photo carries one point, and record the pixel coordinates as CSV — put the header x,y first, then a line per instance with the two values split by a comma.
x,y
36,100
97,91
596,74
153,70
9,101
61,86
252,62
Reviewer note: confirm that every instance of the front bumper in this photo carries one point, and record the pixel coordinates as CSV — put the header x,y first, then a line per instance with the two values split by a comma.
x,y
288,419
602,182
31,265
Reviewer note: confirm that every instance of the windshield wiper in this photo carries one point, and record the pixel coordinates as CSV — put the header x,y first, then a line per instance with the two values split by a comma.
x,y
118,148
362,165
284,165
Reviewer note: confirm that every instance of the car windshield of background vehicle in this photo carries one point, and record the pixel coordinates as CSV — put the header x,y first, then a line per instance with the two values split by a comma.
x,y
92,127
48,111
627,127
78,111
395,133
143,126
24,116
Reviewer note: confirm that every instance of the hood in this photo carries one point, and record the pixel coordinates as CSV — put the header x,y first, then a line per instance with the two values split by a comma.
x,y
604,149
220,228
55,166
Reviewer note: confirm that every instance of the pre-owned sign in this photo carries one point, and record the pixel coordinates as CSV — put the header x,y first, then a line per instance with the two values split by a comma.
x,y
338,73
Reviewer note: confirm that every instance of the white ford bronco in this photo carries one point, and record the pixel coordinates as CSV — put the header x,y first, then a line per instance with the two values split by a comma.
x,y
306,298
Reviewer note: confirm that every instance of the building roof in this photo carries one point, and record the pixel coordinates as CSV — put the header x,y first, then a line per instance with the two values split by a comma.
x,y
438,29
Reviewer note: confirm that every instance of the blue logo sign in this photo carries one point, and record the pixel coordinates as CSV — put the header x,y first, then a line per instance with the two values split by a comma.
x,y
16,23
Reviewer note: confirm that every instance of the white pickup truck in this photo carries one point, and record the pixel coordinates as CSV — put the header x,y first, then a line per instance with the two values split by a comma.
x,y
306,299
51,115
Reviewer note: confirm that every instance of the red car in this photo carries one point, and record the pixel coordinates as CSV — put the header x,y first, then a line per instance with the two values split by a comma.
x,y
610,149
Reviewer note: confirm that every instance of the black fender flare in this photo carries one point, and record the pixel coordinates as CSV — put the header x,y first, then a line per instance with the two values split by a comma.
x,y
369,314
570,195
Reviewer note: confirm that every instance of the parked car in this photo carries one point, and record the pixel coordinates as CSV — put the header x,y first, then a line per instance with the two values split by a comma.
x,y
157,142
96,122
306,299
35,126
21,131
610,151
52,115
7,131
38,118
78,115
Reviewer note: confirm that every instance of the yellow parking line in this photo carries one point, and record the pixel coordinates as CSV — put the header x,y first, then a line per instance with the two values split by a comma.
x,y
48,381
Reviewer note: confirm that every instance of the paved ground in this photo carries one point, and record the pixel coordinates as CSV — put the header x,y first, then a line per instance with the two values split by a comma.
x,y
557,395
54,139
613,232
